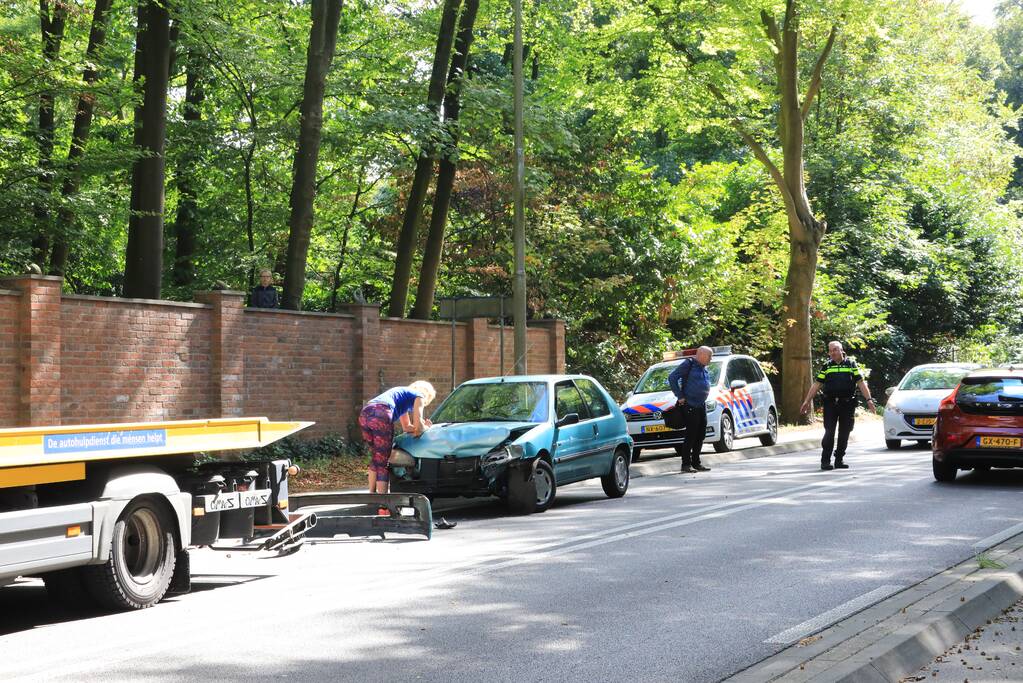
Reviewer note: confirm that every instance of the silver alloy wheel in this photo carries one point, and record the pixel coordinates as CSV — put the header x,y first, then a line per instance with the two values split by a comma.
x,y
727,432
621,471
772,425
543,486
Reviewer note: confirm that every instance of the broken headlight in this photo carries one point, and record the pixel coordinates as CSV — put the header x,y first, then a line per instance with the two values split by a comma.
x,y
400,458
493,461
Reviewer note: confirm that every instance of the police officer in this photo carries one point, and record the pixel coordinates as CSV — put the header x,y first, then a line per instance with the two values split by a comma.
x,y
839,379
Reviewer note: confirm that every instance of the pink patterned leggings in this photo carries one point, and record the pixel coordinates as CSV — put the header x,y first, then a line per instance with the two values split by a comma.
x,y
378,433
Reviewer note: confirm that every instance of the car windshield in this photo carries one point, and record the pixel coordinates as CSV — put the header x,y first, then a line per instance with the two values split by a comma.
x,y
990,390
656,379
933,378
498,402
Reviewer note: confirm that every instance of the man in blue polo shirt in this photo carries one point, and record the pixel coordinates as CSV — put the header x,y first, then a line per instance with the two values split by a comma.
x,y
691,385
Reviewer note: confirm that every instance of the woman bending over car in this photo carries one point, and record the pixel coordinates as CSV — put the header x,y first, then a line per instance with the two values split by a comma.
x,y
399,404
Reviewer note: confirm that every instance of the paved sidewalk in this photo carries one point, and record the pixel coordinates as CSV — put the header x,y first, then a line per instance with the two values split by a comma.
x,y
993,653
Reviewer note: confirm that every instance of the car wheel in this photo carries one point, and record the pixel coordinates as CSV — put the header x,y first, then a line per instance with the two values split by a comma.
x,y
635,454
616,482
944,472
923,444
771,437
526,496
893,444
727,434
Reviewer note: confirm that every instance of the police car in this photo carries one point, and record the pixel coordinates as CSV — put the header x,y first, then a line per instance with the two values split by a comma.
x,y
740,405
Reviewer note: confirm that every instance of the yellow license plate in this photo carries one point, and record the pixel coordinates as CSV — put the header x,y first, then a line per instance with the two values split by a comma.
x,y
924,421
999,442
656,428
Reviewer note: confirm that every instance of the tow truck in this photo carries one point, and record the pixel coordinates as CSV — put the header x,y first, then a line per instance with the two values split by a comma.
x,y
106,514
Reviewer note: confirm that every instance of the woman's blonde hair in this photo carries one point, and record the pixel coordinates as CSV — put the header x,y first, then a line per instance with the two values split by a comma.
x,y
424,389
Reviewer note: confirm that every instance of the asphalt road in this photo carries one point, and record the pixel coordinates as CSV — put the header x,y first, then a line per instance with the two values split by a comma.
x,y
687,578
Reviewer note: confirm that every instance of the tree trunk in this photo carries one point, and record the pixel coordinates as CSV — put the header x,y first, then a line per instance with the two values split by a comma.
x,y
143,267
796,353
322,39
52,30
446,175
79,137
186,222
407,238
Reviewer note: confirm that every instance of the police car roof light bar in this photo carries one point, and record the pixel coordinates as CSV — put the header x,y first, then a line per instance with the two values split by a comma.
x,y
687,353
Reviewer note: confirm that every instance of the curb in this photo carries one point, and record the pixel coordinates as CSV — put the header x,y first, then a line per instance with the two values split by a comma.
x,y
899,635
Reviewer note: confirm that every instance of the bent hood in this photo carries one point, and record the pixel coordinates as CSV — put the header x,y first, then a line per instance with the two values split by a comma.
x,y
462,439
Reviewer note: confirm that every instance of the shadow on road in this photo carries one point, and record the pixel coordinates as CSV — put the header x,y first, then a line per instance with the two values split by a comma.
x,y
25,604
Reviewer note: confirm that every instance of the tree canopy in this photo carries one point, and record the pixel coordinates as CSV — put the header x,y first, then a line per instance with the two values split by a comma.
x,y
653,222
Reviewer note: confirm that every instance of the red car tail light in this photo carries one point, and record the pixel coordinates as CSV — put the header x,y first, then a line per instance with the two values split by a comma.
x,y
949,402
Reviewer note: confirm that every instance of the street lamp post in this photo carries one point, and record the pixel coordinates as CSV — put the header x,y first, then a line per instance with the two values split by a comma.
x,y
519,283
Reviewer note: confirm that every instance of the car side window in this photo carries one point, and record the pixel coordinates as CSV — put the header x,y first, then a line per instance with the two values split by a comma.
x,y
733,371
567,400
752,371
595,400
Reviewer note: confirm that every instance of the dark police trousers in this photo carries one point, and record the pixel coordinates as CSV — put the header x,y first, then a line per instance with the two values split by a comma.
x,y
838,412
696,430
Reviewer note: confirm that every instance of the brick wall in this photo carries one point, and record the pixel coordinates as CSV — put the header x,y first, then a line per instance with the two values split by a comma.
x,y
10,303
81,359
128,360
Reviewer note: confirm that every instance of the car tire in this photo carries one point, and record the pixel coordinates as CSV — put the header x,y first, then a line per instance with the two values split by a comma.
x,y
526,496
944,472
893,444
616,482
771,437
142,555
727,440
635,454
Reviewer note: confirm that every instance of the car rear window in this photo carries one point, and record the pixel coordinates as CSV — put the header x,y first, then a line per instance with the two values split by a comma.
x,y
989,390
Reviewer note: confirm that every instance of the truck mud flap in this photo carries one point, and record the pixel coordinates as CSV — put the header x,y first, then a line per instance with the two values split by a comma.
x,y
362,514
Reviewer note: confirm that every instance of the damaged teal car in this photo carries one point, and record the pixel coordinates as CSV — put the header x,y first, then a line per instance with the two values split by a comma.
x,y
518,438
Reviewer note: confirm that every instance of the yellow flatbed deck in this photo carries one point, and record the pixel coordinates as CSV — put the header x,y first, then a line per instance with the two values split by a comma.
x,y
40,455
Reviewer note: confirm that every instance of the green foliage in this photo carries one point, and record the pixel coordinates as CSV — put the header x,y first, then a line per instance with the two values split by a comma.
x,y
650,225
311,450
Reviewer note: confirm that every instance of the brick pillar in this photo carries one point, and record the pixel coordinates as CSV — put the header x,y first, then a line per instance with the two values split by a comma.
x,y
365,352
475,346
556,330
38,349
227,358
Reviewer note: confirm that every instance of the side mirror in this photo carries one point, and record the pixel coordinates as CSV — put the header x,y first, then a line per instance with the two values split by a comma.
x,y
737,384
570,419
889,391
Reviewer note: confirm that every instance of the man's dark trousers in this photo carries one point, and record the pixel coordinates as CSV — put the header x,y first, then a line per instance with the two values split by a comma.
x,y
696,430
840,413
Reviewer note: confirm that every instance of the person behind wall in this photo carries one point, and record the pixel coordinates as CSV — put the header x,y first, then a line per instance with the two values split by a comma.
x,y
691,385
839,379
264,295
399,404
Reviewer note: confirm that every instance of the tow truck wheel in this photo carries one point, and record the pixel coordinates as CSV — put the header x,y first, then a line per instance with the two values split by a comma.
x,y
616,482
141,563
724,444
67,588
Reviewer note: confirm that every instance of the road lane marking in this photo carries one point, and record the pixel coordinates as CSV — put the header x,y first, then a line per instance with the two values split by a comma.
x,y
995,539
821,621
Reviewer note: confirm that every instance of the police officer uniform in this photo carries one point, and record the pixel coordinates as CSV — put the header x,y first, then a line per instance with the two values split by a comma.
x,y
838,384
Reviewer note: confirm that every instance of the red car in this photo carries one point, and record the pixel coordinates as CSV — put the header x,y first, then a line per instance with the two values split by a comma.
x,y
980,425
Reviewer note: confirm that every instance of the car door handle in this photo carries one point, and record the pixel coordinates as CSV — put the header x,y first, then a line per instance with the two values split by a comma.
x,y
594,430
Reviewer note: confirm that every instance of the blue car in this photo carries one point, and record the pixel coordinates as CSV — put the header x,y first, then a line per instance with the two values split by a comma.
x,y
518,438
